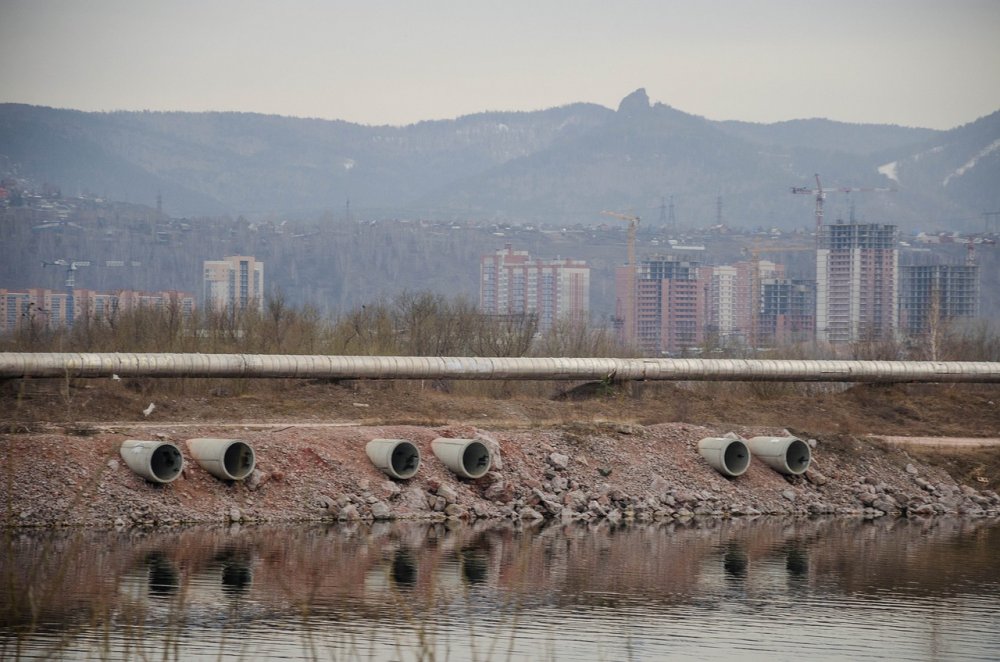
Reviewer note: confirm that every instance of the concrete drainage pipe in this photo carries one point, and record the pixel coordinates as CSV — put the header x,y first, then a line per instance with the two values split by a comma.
x,y
156,461
466,457
786,455
730,457
398,458
226,459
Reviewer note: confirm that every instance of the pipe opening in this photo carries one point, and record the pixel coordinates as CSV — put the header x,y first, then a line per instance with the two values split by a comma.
x,y
797,456
737,457
397,458
405,459
786,455
166,462
476,459
466,457
730,457
238,460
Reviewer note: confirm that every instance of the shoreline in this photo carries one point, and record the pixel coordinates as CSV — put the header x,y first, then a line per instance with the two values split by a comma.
x,y
575,472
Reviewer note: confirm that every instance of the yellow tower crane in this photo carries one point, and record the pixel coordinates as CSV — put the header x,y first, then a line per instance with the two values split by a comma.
x,y
628,316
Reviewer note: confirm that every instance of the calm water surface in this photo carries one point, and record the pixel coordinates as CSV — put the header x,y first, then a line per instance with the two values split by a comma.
x,y
766,589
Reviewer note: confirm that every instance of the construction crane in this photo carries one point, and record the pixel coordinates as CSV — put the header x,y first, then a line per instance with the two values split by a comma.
x,y
755,281
821,192
629,313
71,267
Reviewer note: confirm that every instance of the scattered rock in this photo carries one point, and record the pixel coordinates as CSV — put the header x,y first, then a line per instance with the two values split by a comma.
x,y
381,511
448,494
559,461
659,486
349,513
885,504
501,491
529,513
496,460
789,495
912,470
816,478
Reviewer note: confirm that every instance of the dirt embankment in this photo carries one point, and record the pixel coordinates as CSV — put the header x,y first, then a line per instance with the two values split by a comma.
x,y
601,455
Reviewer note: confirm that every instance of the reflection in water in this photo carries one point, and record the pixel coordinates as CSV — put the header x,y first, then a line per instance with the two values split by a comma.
x,y
163,578
237,573
893,589
236,577
404,570
796,560
475,563
735,560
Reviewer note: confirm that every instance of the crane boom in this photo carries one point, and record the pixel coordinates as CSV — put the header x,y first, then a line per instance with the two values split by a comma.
x,y
71,268
821,192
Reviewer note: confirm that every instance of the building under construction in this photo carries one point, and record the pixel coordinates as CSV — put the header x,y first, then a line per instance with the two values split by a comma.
x,y
787,311
669,310
857,281
935,293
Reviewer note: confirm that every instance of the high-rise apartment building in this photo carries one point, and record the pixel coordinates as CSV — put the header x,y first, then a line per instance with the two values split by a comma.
x,y
935,293
730,303
669,309
47,308
857,281
234,283
513,283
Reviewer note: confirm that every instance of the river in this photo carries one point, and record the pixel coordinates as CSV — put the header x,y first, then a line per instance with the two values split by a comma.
x,y
764,589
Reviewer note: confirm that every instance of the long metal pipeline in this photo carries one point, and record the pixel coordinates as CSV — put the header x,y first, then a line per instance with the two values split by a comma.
x,y
18,364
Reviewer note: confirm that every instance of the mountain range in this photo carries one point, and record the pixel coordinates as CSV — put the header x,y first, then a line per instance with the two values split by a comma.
x,y
556,166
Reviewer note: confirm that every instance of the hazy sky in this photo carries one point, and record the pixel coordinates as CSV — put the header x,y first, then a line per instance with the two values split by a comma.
x,y
929,63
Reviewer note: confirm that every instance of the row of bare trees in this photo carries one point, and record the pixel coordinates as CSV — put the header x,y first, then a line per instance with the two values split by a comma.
x,y
421,324
412,324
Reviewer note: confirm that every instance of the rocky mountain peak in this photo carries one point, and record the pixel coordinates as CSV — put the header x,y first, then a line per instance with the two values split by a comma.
x,y
635,103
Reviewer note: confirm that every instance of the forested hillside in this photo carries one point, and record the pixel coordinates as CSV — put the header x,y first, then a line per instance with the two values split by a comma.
x,y
559,166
